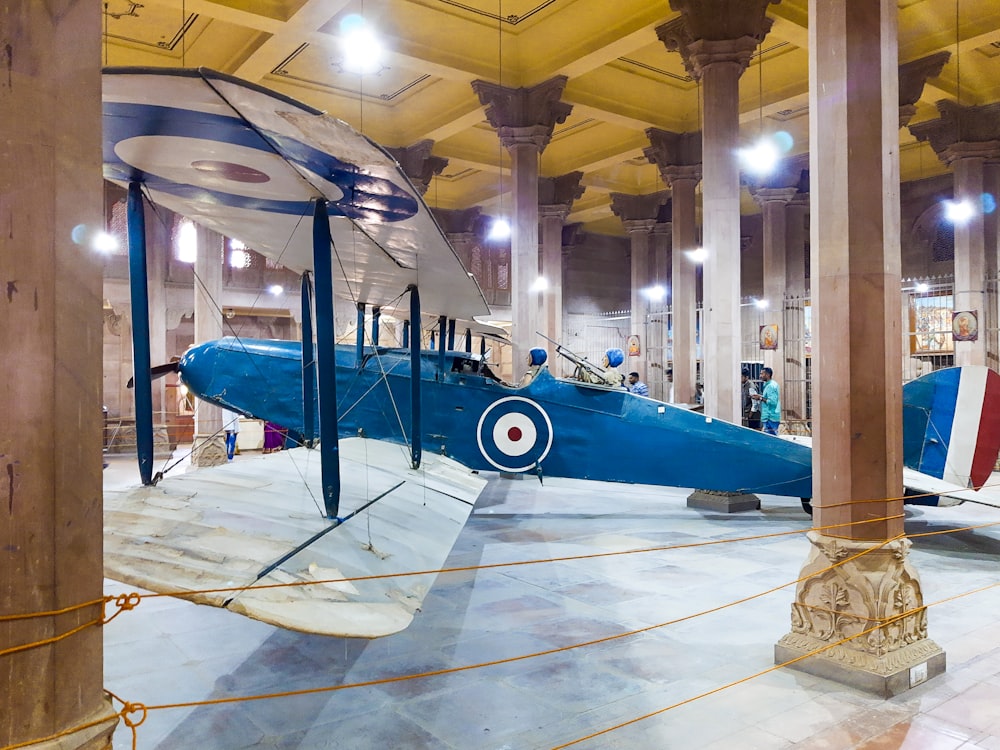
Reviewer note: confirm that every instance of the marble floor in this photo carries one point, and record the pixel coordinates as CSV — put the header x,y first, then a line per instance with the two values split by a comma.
x,y
168,651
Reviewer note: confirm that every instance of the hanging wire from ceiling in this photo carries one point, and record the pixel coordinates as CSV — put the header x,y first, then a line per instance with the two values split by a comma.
x,y
183,33
105,34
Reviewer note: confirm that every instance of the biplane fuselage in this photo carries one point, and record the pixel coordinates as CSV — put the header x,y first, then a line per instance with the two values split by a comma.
x,y
553,426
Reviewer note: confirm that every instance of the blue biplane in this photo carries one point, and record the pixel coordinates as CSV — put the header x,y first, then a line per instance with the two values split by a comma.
x,y
299,187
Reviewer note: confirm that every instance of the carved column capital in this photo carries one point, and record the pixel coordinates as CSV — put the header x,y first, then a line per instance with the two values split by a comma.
x,y
418,164
967,125
638,212
912,77
674,174
554,211
562,189
765,195
458,221
668,150
715,31
524,115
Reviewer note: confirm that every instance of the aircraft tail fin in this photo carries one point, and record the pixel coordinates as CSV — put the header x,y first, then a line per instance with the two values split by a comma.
x,y
951,424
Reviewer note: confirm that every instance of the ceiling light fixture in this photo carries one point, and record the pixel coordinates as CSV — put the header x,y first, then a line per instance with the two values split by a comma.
x,y
360,45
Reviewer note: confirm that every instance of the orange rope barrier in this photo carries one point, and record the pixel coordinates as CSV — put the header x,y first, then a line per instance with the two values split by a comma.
x,y
776,667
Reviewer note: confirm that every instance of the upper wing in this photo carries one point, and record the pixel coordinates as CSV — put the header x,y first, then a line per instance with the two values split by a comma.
x,y
246,162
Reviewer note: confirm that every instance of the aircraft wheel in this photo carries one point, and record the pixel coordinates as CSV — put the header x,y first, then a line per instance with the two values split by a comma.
x,y
807,505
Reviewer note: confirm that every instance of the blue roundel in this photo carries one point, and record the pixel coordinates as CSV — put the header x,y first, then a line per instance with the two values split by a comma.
x,y
514,434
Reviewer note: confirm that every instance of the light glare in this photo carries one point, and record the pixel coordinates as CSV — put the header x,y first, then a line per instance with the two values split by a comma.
x,y
276,289
655,293
957,212
540,285
761,158
362,50
105,243
499,230
187,242
698,255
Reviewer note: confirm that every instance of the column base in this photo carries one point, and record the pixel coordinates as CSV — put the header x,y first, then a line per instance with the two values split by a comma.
x,y
722,502
97,737
884,676
209,451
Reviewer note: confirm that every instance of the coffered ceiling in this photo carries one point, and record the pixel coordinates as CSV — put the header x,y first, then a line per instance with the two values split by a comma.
x,y
621,79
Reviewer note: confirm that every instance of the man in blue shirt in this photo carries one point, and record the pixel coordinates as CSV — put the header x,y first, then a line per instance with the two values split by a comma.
x,y
637,386
770,402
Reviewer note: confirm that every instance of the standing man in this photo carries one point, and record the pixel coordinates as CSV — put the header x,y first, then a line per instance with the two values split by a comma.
x,y
770,402
751,407
231,424
637,386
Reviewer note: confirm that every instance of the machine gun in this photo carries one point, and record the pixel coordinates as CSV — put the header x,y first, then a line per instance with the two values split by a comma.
x,y
585,370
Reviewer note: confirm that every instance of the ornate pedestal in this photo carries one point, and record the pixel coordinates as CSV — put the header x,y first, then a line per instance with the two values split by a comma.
x,y
865,597
722,502
209,451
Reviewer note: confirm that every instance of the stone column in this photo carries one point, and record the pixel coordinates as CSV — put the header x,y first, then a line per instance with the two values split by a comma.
x,y
678,156
418,164
660,257
524,119
460,226
772,202
717,38
555,197
794,387
50,394
638,214
965,138
209,447
857,403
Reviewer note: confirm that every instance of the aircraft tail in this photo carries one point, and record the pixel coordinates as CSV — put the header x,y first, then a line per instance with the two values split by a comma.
x,y
951,424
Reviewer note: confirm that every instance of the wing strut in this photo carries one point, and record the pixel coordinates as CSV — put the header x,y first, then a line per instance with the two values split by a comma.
x,y
139,288
415,441
442,323
329,445
360,339
308,366
376,314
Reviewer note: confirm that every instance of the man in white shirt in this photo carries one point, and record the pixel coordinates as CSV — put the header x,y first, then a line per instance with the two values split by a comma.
x,y
231,424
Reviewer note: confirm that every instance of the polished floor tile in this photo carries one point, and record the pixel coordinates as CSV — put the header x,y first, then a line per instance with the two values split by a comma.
x,y
684,678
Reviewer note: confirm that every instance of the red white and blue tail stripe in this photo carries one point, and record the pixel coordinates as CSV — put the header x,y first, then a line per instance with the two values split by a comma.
x,y
951,424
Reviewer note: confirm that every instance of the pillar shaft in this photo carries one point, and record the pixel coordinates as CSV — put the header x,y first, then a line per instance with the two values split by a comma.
x,y
721,341
772,202
209,443
794,401
524,251
683,292
50,328
857,403
970,257
552,297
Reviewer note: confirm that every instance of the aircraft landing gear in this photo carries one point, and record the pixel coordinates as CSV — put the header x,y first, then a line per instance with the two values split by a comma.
x,y
807,505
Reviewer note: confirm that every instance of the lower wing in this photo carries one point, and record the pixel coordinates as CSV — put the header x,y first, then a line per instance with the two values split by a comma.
x,y
257,522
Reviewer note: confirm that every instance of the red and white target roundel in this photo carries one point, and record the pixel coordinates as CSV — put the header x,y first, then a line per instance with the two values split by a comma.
x,y
514,434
